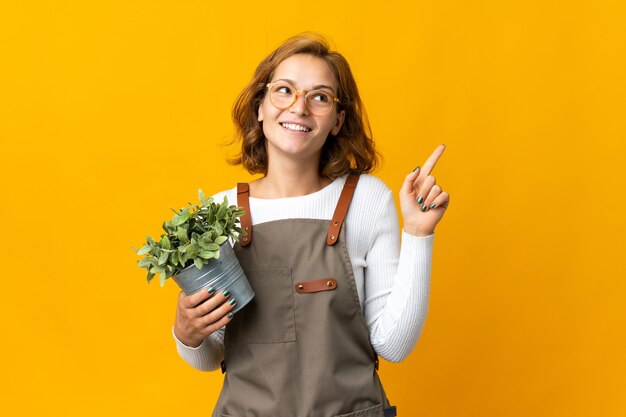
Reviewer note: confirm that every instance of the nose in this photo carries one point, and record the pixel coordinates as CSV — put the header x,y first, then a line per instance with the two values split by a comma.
x,y
299,106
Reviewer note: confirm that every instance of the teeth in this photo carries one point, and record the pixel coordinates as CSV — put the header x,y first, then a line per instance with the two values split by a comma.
x,y
292,126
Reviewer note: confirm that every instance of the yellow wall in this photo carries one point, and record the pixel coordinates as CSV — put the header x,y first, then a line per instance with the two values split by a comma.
x,y
113,111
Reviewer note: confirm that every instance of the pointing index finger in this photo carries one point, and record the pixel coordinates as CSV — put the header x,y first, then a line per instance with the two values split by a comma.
x,y
432,160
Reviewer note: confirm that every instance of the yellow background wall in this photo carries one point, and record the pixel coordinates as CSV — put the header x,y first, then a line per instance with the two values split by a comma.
x,y
113,111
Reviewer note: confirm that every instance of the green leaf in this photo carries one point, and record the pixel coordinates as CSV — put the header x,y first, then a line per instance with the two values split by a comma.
x,y
213,247
181,218
211,215
198,263
163,258
217,254
162,280
144,249
183,248
157,269
220,239
200,229
200,194
221,213
165,243
205,254
143,263
181,233
192,251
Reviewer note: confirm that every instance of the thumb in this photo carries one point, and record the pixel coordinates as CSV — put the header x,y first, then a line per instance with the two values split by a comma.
x,y
409,180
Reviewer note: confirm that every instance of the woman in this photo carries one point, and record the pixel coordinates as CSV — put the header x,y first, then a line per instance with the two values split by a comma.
x,y
330,295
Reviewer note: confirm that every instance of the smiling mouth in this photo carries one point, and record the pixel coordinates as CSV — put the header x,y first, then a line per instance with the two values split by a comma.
x,y
295,127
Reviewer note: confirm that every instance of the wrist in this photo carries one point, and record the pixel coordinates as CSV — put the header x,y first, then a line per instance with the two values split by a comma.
x,y
189,342
417,231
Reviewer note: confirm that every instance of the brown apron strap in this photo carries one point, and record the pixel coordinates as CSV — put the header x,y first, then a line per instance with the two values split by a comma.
x,y
243,201
342,209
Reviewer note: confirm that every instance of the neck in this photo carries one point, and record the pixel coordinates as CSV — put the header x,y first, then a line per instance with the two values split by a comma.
x,y
289,179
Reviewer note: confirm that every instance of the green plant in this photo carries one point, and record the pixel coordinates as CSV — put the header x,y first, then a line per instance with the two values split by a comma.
x,y
193,236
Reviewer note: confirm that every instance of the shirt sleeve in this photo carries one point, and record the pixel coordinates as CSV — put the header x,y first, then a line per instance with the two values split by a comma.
x,y
397,285
206,357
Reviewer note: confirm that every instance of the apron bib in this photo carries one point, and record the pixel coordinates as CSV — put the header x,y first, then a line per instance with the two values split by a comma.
x,y
301,347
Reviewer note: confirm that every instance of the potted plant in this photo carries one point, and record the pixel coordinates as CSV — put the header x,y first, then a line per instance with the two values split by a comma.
x,y
195,251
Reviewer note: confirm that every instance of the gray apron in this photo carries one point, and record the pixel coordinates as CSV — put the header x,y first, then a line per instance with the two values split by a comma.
x,y
301,347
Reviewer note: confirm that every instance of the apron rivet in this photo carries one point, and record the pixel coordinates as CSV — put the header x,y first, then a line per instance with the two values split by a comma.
x,y
336,223
332,237
329,283
300,287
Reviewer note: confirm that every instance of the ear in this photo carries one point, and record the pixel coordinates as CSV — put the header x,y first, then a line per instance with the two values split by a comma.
x,y
260,113
338,123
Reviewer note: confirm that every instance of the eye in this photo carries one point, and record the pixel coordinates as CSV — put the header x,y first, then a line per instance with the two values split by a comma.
x,y
283,89
320,96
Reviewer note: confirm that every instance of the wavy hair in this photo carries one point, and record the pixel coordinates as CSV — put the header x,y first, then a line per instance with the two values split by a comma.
x,y
351,150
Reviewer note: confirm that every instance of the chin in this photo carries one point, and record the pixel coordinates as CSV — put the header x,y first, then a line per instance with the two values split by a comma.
x,y
296,151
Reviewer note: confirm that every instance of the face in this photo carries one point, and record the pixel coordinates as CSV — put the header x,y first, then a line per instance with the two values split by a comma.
x,y
295,132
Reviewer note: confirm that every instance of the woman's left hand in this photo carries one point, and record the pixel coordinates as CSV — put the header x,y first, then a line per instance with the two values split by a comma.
x,y
422,201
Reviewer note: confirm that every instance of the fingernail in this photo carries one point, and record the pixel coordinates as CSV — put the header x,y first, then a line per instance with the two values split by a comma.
x,y
416,168
230,315
420,199
226,293
432,205
210,290
424,207
232,301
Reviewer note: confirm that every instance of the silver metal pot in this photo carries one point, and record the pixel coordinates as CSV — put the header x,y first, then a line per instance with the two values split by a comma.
x,y
222,274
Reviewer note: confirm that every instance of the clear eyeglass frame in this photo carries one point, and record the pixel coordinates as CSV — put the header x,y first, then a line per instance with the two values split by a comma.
x,y
297,94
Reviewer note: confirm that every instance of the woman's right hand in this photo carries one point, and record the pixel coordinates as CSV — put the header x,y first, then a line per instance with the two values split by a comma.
x,y
201,314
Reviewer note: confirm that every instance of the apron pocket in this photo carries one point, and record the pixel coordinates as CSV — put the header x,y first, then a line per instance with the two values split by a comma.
x,y
269,317
375,411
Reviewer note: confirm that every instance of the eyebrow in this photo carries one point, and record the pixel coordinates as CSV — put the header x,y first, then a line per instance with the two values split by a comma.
x,y
315,87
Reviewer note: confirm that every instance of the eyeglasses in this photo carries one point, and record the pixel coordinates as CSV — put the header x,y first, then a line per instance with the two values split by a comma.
x,y
283,95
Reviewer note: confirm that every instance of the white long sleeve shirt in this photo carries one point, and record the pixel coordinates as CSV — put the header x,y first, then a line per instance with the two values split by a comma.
x,y
392,279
